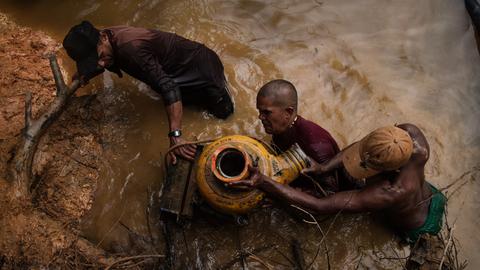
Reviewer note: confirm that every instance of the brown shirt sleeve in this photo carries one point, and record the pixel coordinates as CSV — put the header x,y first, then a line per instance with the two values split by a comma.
x,y
143,59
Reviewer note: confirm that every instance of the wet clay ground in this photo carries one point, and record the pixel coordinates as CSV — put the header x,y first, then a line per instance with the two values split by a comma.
x,y
32,233
356,66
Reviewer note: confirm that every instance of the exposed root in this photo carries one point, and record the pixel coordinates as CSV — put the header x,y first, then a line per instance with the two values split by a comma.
x,y
119,263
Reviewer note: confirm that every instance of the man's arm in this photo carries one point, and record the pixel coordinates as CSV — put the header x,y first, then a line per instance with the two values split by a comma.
x,y
170,92
421,148
174,113
328,166
161,83
377,196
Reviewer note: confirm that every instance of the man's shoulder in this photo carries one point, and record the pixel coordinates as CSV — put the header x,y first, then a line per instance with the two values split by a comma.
x,y
421,146
128,35
122,29
311,130
407,181
315,140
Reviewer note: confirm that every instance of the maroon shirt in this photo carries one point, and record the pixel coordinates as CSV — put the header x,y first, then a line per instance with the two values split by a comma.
x,y
315,141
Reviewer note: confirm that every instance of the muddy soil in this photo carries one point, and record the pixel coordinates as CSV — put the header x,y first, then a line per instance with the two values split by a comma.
x,y
40,232
44,231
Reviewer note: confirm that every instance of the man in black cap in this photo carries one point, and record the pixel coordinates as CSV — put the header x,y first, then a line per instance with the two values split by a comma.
x,y
180,70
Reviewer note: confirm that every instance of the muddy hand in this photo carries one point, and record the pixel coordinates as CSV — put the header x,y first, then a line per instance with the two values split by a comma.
x,y
255,179
314,168
186,151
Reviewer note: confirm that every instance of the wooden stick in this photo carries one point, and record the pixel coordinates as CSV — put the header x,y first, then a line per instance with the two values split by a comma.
x,y
239,247
238,258
112,227
57,75
324,235
446,248
324,193
147,217
34,129
28,111
133,258
474,169
256,258
298,255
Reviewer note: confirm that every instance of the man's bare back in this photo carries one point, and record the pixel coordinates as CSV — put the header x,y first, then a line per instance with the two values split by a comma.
x,y
402,195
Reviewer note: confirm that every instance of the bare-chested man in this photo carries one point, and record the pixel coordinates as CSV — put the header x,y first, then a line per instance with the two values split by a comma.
x,y
391,161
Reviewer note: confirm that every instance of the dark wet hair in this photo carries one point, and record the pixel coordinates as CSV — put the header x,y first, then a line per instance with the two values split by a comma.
x,y
281,91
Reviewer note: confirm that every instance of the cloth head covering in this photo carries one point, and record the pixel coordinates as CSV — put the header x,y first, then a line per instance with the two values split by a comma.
x,y
385,149
81,45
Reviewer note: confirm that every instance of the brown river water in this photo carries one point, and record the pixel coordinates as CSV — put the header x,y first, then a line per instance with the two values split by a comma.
x,y
357,65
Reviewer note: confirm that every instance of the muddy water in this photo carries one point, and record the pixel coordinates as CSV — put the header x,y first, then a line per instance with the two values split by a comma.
x,y
356,64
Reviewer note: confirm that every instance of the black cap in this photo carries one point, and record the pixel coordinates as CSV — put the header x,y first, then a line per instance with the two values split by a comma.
x,y
81,45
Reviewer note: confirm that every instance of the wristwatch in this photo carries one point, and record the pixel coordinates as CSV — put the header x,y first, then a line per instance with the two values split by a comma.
x,y
175,133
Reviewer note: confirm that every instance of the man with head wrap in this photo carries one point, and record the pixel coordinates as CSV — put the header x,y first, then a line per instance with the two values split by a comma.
x,y
180,70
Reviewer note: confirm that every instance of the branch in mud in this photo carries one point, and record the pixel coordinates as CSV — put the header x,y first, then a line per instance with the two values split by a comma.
x,y
92,253
57,76
127,259
28,110
34,129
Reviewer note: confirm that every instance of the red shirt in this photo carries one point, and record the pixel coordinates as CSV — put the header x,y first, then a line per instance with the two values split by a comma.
x,y
315,141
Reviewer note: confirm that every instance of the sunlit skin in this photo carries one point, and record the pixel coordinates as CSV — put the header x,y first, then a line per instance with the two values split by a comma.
x,y
403,195
275,119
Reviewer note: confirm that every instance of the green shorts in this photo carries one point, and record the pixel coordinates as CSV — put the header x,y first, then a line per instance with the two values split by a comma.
x,y
433,223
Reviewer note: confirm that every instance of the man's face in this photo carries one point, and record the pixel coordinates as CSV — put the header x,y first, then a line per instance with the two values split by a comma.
x,y
105,52
275,119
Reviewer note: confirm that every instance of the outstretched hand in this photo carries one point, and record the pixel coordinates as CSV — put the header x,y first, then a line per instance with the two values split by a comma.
x,y
315,168
255,179
186,151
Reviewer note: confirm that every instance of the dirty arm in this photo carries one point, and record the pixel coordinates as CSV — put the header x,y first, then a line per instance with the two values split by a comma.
x,y
161,82
377,196
170,92
316,168
421,148
174,114
334,163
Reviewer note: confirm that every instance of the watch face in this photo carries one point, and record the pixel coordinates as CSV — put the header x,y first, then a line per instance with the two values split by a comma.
x,y
175,133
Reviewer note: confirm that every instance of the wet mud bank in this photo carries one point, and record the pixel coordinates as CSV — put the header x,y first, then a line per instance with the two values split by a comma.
x,y
382,69
41,229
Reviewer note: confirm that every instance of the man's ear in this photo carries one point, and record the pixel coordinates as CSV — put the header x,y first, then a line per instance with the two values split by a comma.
x,y
103,37
290,110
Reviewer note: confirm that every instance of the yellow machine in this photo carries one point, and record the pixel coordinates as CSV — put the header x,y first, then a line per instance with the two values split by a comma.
x,y
226,160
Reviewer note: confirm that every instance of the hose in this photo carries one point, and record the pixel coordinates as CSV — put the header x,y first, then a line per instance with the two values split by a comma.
x,y
165,161
205,141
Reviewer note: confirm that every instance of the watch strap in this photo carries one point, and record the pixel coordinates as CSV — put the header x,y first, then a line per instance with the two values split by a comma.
x,y
175,133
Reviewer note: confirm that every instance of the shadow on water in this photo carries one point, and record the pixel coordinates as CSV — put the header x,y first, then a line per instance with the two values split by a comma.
x,y
356,66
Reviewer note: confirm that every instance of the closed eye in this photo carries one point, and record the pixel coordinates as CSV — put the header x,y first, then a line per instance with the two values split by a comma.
x,y
265,112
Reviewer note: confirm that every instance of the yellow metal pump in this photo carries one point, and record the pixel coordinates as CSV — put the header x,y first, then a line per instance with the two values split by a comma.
x,y
227,159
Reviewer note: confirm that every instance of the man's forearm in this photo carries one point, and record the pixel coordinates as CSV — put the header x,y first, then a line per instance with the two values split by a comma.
x,y
334,163
174,114
328,205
